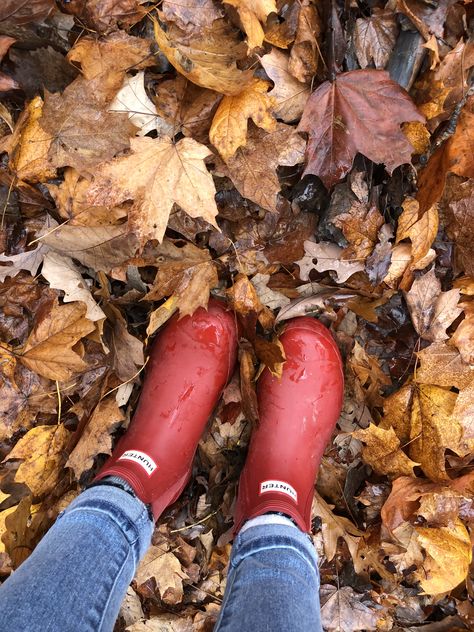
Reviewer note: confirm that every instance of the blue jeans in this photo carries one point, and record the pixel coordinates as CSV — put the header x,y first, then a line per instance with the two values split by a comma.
x,y
77,576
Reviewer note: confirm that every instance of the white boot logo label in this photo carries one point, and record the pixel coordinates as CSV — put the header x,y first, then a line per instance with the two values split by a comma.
x,y
279,486
145,461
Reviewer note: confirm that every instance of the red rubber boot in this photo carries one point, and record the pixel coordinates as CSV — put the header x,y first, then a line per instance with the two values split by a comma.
x,y
298,414
189,365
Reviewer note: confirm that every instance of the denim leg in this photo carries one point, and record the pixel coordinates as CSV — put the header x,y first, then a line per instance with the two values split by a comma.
x,y
76,578
273,583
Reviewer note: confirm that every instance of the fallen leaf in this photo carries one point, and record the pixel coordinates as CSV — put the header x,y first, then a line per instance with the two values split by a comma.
x,y
253,168
41,450
98,247
271,354
209,61
131,610
247,386
71,203
360,227
337,130
107,15
335,527
29,146
173,262
32,11
165,568
125,349
449,554
459,225
96,437
82,132
375,38
305,51
268,297
133,99
343,611
48,350
163,623
289,94
164,174
420,227
455,156
428,425
328,256
191,15
42,68
104,62
252,14
431,310
463,337
383,453
62,274
29,260
229,127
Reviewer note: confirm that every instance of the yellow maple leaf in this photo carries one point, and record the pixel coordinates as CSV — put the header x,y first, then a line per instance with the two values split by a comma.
x,y
42,452
229,127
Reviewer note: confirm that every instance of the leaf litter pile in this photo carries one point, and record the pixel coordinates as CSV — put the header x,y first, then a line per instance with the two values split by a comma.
x,y
291,157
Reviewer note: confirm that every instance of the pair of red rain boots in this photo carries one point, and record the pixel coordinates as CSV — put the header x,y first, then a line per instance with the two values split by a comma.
x,y
190,363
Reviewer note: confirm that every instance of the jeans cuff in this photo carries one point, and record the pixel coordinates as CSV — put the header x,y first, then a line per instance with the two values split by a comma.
x,y
129,513
274,536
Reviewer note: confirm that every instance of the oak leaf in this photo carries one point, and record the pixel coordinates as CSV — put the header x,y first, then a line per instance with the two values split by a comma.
x,y
48,350
29,260
229,127
343,118
96,437
209,60
164,174
42,450
252,14
327,256
375,37
290,95
335,527
62,274
253,168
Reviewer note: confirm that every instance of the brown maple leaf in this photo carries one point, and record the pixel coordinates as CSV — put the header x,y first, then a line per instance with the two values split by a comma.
x,y
375,38
156,175
361,111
